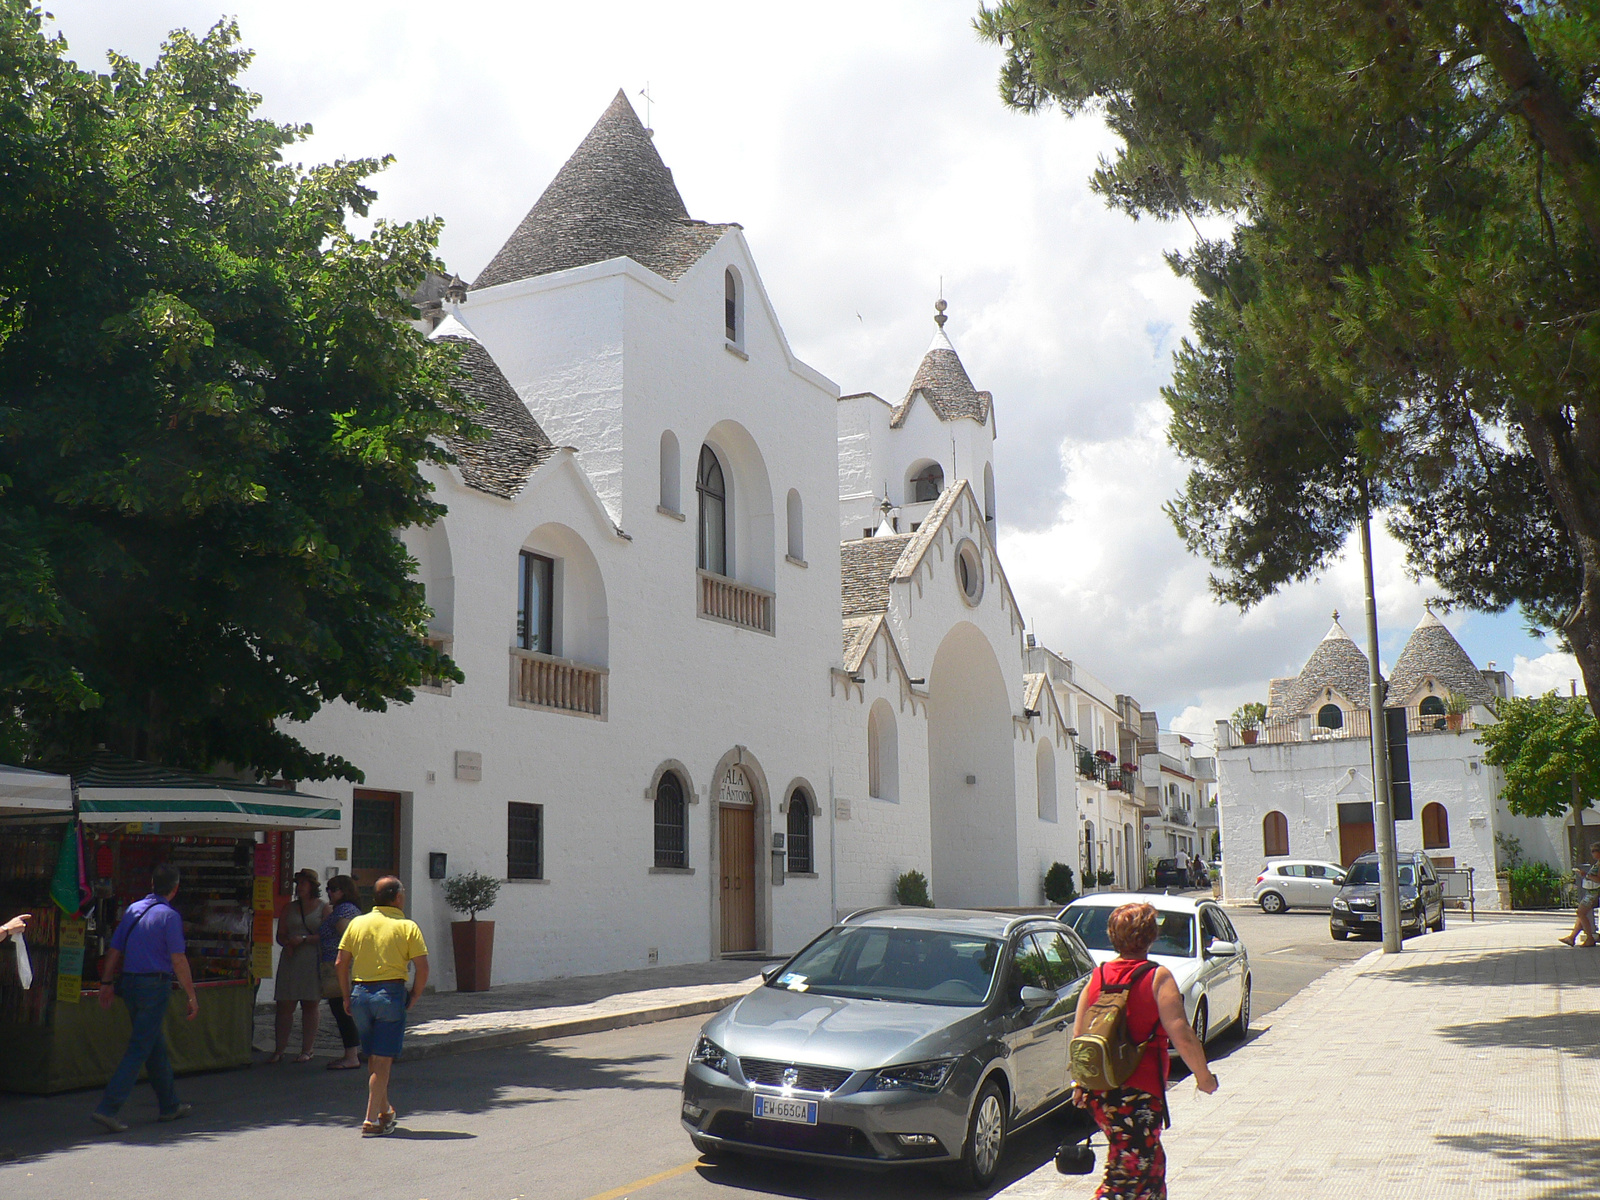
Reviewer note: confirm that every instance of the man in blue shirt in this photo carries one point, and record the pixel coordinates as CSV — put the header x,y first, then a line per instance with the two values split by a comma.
x,y
148,949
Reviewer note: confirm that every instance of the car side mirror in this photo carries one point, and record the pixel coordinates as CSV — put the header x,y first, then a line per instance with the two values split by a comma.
x,y
1033,998
768,974
1221,949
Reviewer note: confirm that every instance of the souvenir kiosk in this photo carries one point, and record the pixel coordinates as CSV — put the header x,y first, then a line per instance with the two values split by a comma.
x,y
232,841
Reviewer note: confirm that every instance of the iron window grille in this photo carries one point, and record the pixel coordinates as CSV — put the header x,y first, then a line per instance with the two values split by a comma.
x,y
524,841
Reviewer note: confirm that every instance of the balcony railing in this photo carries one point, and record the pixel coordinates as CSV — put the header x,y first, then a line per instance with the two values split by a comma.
x,y
439,687
734,603
1117,778
1357,724
557,684
1178,816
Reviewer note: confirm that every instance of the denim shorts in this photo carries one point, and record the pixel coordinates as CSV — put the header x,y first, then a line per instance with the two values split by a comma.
x,y
379,1011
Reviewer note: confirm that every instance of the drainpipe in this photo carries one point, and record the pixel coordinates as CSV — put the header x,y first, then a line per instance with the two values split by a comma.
x,y
833,860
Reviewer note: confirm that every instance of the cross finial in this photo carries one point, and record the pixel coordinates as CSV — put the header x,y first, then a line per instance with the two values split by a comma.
x,y
1336,616
645,92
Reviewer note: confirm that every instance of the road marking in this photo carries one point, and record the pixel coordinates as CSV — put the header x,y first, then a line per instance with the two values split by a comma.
x,y
638,1185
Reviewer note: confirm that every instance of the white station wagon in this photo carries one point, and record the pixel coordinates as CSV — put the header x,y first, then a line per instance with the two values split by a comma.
x,y
1286,883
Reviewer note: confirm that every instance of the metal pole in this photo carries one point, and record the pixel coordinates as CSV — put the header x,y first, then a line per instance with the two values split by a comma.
x,y
1382,811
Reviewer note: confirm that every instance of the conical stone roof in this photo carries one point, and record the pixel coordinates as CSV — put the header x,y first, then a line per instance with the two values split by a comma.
x,y
1335,663
1432,650
614,198
946,386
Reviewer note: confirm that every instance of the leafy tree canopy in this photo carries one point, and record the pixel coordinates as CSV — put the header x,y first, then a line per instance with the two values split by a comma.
x,y
1543,745
1409,293
212,415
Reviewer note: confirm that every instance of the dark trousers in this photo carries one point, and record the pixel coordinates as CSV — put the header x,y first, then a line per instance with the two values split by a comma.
x,y
345,1022
146,997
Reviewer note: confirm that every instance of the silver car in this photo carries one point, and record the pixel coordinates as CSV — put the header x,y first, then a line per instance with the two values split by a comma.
x,y
1195,941
900,1036
1286,883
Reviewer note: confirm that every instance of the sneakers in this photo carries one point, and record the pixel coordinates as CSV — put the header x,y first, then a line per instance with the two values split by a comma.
x,y
109,1123
177,1114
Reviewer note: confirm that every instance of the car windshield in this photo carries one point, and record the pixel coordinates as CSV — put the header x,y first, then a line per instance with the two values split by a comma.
x,y
922,966
1367,872
1174,931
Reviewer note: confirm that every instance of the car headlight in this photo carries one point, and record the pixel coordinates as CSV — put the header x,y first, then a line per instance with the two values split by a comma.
x,y
709,1055
1341,904
1408,901
918,1077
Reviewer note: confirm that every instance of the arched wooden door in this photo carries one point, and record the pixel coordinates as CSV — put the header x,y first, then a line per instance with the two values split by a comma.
x,y
736,824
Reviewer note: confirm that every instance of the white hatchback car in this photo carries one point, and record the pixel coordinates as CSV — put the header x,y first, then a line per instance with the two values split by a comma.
x,y
1196,942
1286,883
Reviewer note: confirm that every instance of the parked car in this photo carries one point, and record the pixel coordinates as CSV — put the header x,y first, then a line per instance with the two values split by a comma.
x,y
1286,883
900,1036
1170,874
1355,908
1196,942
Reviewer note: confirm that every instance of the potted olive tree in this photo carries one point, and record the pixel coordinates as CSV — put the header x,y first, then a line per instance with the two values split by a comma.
x,y
472,892
1247,720
1455,711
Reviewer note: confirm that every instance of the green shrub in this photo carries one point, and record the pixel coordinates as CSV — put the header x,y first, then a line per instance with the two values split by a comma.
x,y
471,892
1105,878
911,890
1058,888
1536,885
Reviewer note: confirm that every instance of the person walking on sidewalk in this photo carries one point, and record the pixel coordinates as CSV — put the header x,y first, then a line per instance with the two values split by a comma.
x,y
343,901
375,953
147,953
1589,879
1132,1115
298,981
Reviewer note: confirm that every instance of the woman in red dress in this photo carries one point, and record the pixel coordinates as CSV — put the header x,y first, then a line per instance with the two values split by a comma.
x,y
1132,1115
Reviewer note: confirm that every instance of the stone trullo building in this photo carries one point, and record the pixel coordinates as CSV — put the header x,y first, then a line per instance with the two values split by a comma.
x,y
1303,786
666,743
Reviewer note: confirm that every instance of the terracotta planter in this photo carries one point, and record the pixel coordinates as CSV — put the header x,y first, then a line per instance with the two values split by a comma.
x,y
1249,736
474,947
1453,721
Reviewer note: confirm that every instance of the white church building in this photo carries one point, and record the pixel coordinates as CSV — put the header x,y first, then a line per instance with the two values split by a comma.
x,y
1300,785
737,652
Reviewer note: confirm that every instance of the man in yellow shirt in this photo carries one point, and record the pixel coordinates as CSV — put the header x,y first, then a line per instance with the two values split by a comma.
x,y
374,956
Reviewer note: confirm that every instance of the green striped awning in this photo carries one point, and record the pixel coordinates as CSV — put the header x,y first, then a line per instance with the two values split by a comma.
x,y
116,790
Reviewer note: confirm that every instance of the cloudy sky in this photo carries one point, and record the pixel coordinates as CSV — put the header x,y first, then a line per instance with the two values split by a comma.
x,y
864,148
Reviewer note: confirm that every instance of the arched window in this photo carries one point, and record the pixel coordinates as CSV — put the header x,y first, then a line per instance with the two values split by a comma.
x,y
797,531
670,494
1435,827
927,483
1275,835
731,308
883,753
1330,716
799,841
988,498
1045,768
672,842
1431,706
712,486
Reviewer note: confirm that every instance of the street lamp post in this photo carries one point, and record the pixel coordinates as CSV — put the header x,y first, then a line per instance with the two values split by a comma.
x,y
1382,810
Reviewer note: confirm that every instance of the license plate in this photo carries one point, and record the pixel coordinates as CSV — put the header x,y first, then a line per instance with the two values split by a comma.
x,y
780,1108
1369,916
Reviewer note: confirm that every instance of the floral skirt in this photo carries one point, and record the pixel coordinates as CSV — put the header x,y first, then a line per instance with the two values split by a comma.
x,y
1136,1166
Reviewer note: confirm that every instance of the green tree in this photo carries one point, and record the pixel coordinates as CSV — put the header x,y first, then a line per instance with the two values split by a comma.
x,y
1549,749
212,415
1407,300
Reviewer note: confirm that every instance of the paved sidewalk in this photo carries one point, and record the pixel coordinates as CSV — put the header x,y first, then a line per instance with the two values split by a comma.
x,y
452,1022
1468,1066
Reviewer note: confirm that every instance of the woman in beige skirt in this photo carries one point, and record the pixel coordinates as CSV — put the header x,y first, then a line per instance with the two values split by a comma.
x,y
297,980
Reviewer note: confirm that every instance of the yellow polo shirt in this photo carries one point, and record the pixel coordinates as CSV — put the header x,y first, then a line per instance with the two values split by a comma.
x,y
382,944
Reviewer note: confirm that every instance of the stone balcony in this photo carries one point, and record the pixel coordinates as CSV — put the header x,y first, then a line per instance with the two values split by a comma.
x,y
734,603
558,684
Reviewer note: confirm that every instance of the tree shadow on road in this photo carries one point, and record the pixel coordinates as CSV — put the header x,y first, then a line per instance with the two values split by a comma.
x,y
287,1095
1566,1167
1577,1033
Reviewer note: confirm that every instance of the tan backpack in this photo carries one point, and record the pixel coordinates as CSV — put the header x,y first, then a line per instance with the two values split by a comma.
x,y
1104,1056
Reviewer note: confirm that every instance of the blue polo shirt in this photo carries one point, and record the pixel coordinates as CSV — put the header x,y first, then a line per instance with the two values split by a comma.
x,y
147,948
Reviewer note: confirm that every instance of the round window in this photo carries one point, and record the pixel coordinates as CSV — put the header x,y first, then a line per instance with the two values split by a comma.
x,y
969,572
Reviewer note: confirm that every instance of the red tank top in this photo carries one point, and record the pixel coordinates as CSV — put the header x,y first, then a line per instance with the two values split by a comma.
x,y
1143,1019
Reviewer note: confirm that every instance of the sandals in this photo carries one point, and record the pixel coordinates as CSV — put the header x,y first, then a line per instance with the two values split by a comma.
x,y
302,1058
339,1064
382,1127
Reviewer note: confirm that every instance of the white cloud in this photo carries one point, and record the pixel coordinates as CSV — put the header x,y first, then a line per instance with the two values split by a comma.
x,y
1553,672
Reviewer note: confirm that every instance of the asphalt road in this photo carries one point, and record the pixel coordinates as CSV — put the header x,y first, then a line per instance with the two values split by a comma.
x,y
586,1118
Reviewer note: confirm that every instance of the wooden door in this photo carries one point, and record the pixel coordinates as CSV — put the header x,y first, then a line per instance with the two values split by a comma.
x,y
1354,841
374,839
738,847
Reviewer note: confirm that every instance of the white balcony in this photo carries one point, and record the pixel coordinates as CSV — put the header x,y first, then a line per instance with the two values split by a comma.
x,y
437,687
557,684
734,603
